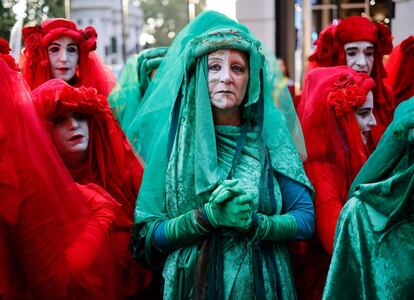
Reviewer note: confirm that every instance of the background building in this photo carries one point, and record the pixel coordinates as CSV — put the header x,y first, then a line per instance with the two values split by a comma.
x,y
118,28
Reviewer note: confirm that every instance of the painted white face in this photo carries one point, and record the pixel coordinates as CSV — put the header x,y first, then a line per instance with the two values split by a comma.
x,y
228,77
63,58
70,134
365,117
360,56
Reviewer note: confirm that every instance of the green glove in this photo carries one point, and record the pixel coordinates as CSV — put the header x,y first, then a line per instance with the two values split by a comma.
x,y
276,228
230,206
186,229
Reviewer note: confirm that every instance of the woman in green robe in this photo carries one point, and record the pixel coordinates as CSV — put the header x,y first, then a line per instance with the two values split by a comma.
x,y
373,255
224,187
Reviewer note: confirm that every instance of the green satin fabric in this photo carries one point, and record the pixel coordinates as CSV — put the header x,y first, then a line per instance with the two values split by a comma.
x,y
127,95
237,248
374,245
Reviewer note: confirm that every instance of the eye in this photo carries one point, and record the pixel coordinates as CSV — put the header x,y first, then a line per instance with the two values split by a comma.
x,y
72,49
58,120
351,53
78,116
54,49
214,67
369,53
237,68
364,114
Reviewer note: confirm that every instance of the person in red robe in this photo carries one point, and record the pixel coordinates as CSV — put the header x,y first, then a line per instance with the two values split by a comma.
x,y
95,150
337,123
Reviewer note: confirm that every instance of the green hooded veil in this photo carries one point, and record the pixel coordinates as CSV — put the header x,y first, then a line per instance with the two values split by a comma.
x,y
189,156
374,245
128,94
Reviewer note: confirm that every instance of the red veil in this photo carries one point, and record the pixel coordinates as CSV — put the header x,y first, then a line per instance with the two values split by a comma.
x,y
53,232
91,71
330,52
335,155
111,163
400,68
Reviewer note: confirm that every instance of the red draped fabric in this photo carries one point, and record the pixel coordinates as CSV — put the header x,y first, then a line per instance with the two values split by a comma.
x,y
400,68
111,164
54,241
335,155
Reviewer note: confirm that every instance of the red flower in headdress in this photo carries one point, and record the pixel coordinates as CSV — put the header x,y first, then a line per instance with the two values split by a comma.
x,y
90,36
32,36
384,38
347,95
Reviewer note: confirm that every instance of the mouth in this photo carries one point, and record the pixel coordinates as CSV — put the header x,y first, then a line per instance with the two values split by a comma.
x,y
225,92
76,138
63,69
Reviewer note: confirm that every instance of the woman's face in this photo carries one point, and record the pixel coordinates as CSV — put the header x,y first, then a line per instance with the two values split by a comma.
x,y
360,56
228,77
63,58
365,117
70,134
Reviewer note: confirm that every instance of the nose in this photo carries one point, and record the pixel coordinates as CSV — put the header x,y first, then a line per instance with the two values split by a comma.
x,y
63,56
361,60
372,121
72,123
226,75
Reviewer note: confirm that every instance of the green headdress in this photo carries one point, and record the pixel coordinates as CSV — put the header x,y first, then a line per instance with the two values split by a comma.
x,y
128,94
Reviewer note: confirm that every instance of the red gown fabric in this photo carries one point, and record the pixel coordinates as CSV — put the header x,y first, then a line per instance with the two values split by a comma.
x,y
91,71
335,155
111,164
330,52
54,241
400,66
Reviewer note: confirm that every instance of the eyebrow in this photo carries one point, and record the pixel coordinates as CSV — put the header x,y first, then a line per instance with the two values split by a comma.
x,y
356,48
215,58
364,108
57,44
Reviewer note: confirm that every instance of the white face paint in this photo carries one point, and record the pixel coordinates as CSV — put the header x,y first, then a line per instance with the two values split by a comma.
x,y
228,77
365,117
63,58
70,134
360,56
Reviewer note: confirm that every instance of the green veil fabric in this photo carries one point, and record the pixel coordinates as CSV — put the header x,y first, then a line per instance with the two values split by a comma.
x,y
128,94
181,145
374,245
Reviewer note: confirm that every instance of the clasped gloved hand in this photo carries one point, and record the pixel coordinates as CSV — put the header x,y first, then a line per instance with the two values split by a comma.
x,y
230,206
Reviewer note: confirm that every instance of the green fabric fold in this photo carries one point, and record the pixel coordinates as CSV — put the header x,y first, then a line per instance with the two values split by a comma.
x,y
374,245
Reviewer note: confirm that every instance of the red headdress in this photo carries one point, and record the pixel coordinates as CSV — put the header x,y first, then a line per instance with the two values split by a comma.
x,y
330,52
327,116
91,71
400,66
111,163
53,233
